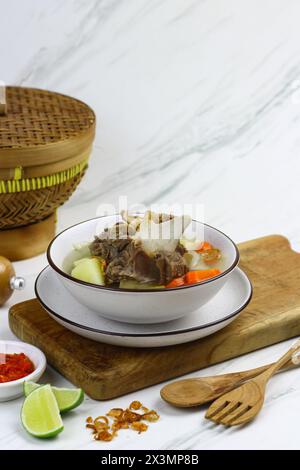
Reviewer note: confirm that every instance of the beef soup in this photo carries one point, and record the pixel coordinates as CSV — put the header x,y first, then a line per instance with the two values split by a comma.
x,y
142,269
145,252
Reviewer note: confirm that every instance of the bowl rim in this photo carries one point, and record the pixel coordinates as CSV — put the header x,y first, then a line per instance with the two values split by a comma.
x,y
143,335
142,291
42,362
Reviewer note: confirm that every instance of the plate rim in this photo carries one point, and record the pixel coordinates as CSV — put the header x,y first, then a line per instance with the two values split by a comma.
x,y
144,335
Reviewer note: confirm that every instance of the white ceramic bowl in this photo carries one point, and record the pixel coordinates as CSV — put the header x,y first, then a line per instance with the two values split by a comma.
x,y
14,389
138,306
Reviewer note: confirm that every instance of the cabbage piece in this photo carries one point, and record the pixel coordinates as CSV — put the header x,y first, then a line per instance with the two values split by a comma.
x,y
191,245
82,249
194,261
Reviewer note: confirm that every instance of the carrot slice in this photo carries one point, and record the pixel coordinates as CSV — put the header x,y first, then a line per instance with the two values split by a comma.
x,y
205,246
177,282
192,277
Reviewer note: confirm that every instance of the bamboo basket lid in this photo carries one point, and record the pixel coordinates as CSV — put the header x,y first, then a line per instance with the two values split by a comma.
x,y
39,127
45,144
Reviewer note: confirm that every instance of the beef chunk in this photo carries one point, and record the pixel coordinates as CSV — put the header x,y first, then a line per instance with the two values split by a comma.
x,y
132,263
126,259
170,266
111,242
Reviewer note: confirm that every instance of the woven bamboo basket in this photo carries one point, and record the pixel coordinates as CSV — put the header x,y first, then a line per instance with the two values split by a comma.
x,y
45,143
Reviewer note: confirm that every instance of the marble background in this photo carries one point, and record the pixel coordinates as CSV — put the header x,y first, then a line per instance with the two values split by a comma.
x,y
197,101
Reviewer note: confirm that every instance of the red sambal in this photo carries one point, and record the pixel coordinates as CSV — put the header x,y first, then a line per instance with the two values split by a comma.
x,y
14,367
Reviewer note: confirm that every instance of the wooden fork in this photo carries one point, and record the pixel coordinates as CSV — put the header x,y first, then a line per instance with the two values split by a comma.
x,y
242,404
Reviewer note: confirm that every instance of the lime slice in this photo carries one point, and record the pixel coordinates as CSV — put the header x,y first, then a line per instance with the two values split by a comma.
x,y
67,398
29,386
40,413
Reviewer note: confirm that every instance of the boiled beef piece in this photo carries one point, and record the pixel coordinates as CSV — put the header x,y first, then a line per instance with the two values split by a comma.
x,y
126,259
111,242
170,266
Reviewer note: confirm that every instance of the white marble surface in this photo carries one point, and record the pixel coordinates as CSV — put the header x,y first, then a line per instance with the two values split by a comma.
x,y
197,101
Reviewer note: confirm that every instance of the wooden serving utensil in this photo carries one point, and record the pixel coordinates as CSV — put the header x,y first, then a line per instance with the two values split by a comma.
x,y
188,393
241,405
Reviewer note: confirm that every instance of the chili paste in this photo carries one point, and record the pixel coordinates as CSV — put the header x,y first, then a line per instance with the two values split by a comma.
x,y
14,367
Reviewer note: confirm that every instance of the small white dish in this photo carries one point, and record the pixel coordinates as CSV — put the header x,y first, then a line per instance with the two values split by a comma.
x,y
215,315
138,306
14,389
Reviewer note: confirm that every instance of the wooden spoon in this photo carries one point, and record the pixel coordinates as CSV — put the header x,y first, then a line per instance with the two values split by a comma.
x,y
187,393
241,405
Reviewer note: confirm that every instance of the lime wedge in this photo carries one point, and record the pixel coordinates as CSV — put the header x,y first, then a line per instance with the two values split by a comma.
x,y
67,398
40,413
29,386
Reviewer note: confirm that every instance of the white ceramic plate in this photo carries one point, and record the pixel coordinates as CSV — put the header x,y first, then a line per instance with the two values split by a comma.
x,y
215,315
14,389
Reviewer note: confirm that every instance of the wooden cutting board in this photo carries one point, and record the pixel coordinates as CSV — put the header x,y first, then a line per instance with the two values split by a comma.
x,y
105,371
